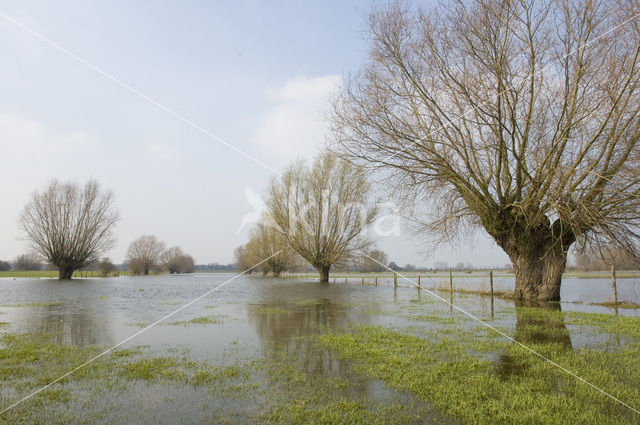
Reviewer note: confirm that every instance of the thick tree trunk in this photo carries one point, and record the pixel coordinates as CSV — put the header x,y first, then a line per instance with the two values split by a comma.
x,y
324,273
65,272
539,272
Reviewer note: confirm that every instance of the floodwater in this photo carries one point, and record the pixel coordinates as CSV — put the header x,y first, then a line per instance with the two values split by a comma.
x,y
252,318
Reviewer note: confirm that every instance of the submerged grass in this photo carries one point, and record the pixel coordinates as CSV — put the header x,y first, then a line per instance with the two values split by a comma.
x,y
488,380
203,320
36,304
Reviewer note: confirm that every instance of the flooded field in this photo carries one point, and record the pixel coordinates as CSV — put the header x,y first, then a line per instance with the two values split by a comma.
x,y
262,350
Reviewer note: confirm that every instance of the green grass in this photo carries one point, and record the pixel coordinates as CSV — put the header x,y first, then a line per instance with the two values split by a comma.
x,y
480,378
620,304
271,310
48,273
36,304
203,320
155,368
53,274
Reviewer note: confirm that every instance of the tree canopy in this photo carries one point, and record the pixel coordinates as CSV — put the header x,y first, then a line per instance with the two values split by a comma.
x,y
520,118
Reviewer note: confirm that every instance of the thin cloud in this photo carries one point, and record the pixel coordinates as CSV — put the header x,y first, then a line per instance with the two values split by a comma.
x,y
23,138
294,126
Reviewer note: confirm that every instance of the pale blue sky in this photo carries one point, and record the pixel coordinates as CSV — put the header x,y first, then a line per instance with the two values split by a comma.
x,y
254,73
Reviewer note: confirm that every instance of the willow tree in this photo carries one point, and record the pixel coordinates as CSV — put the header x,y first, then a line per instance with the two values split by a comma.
x,y
518,117
144,253
322,211
268,244
69,226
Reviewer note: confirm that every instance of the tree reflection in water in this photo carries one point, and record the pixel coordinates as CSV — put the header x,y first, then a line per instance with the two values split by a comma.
x,y
286,328
539,325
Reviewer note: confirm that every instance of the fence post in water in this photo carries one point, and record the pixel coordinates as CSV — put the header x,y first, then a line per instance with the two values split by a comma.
x,y
450,281
613,285
491,285
418,281
362,283
491,282
395,279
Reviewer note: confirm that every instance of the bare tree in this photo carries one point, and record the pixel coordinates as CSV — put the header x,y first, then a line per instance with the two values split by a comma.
x,y
374,261
144,253
603,257
244,259
322,211
27,262
521,118
268,244
4,266
106,267
69,226
174,260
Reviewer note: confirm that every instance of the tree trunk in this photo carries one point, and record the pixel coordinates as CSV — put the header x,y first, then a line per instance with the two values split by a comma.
x,y
65,272
324,273
539,272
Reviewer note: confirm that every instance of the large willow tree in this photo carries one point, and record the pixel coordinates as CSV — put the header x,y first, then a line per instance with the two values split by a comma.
x,y
519,117
70,226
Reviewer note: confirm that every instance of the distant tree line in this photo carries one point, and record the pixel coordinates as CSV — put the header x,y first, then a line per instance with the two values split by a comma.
x,y
215,267
595,258
148,254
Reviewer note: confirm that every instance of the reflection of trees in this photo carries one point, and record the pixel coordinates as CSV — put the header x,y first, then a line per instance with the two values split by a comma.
x,y
68,324
286,328
539,324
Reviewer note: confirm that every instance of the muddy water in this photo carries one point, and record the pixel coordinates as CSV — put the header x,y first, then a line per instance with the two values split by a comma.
x,y
252,317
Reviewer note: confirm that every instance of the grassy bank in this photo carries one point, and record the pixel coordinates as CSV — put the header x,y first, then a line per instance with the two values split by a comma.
x,y
481,378
53,274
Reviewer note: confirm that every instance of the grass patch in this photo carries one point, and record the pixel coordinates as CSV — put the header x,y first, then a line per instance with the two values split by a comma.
x,y
153,369
270,310
294,396
203,320
480,378
620,304
37,304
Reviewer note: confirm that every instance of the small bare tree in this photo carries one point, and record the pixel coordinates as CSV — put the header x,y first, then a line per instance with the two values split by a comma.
x,y
374,261
174,260
518,117
70,226
106,267
322,211
144,253
244,260
4,266
265,242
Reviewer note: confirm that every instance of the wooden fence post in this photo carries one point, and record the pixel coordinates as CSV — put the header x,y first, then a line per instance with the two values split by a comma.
x,y
491,281
613,285
376,280
491,285
395,279
450,281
